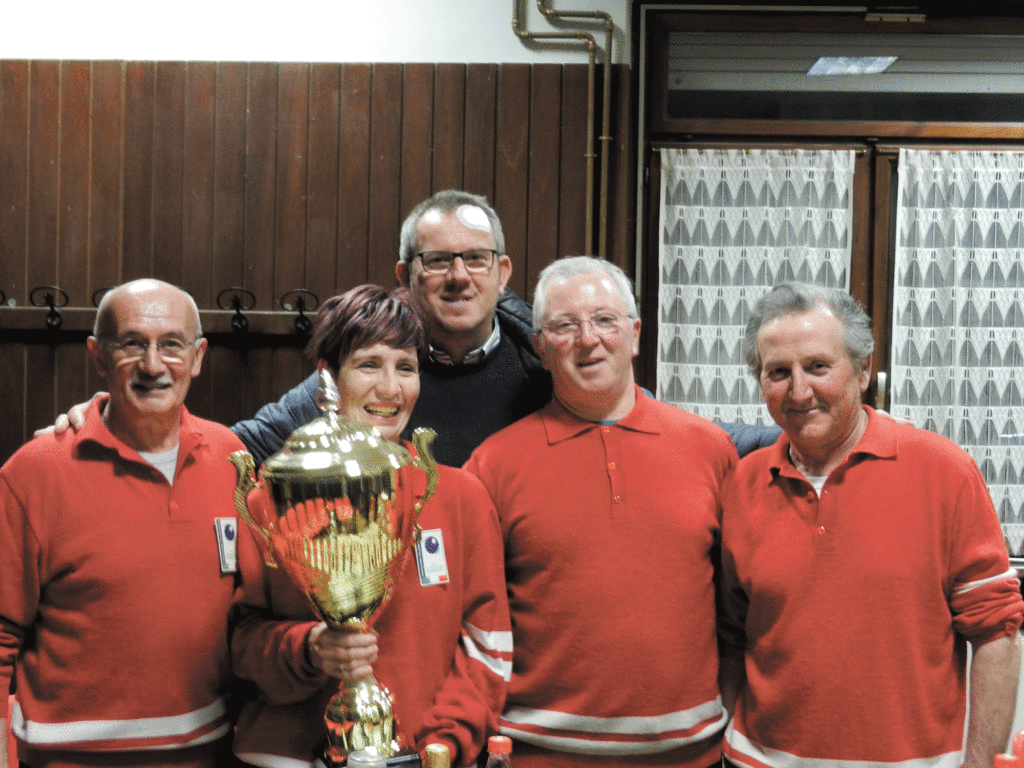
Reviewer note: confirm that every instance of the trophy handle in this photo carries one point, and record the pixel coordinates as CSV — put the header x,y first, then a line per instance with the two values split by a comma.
x,y
247,482
422,439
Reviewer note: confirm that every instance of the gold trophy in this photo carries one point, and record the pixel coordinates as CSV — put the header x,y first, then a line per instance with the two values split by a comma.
x,y
336,510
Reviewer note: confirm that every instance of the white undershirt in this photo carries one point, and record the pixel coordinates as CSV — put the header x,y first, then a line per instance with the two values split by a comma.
x,y
165,461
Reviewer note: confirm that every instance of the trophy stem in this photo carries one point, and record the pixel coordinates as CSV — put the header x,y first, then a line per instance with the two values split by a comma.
x,y
359,716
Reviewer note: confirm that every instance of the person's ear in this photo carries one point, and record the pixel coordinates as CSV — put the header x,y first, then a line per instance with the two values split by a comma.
x,y
402,273
504,271
99,359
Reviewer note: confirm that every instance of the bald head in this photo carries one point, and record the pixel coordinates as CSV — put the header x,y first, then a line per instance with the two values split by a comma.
x,y
145,291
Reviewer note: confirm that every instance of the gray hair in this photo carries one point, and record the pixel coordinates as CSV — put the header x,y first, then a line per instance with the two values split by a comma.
x,y
570,266
104,326
796,298
446,201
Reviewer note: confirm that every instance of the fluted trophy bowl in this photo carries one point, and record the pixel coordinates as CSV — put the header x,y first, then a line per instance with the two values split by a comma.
x,y
337,511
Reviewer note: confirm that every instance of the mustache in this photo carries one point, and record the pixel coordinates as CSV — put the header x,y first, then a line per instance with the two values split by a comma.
x,y
161,380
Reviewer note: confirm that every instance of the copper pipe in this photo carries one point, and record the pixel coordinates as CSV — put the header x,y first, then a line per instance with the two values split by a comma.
x,y
591,44
605,137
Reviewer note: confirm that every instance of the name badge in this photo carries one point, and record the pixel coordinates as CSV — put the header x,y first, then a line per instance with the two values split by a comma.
x,y
430,559
227,543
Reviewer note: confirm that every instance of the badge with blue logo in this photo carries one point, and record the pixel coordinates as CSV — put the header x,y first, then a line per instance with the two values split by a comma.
x,y
227,543
430,559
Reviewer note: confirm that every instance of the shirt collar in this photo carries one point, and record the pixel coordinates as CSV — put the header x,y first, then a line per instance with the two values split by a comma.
x,y
561,424
94,430
879,440
475,356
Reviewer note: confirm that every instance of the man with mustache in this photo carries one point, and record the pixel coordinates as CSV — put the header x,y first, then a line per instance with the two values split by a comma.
x,y
117,558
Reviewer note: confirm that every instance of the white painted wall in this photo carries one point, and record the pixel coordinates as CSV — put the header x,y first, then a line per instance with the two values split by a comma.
x,y
468,31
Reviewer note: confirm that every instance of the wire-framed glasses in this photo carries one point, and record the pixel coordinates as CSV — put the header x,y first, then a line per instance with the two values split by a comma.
x,y
602,323
170,349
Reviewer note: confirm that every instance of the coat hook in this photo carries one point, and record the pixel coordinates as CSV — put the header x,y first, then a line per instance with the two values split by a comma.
x,y
296,300
240,299
47,296
98,294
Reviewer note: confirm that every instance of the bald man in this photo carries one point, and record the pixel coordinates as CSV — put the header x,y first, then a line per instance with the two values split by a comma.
x,y
118,560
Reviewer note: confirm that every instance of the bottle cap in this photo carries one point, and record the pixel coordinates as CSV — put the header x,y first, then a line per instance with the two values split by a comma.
x,y
437,756
501,745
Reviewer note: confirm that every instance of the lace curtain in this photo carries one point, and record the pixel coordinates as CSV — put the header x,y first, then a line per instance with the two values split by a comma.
x,y
958,312
733,223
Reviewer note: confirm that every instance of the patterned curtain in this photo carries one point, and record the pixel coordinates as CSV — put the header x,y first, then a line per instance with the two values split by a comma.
x,y
733,223
958,312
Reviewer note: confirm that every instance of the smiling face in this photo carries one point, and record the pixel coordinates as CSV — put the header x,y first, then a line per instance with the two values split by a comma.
x,y
811,385
147,389
458,305
378,385
592,373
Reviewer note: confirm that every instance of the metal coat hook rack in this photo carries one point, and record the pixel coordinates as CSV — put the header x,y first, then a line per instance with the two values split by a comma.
x,y
241,300
296,301
48,296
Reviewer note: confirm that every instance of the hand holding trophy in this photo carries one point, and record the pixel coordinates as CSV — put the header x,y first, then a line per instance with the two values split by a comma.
x,y
336,510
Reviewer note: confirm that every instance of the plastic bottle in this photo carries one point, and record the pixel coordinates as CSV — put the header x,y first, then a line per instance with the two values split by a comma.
x,y
499,752
436,756
365,759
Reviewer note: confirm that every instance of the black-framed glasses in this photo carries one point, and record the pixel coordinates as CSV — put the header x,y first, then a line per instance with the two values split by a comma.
x,y
476,260
170,350
602,323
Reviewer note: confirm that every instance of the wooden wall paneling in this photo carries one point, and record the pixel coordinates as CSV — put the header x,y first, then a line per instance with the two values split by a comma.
x,y
418,142
43,226
385,171
73,218
572,193
199,130
449,127
168,164
70,360
14,133
512,166
292,210
322,180
138,170
13,385
261,183
291,178
221,387
229,165
544,162
256,365
354,177
105,191
44,175
480,130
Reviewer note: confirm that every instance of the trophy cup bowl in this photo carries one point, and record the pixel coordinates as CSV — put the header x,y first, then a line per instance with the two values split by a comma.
x,y
336,510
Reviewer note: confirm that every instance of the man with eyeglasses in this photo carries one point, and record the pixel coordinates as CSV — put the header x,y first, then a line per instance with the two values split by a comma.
x,y
118,559
482,373
608,504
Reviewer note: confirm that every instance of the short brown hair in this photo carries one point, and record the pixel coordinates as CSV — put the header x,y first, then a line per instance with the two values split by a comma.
x,y
363,316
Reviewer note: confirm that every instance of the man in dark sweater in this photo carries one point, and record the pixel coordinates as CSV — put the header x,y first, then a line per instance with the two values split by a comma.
x,y
482,373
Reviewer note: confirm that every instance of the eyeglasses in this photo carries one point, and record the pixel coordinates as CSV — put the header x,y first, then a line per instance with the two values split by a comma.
x,y
477,260
169,350
603,324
